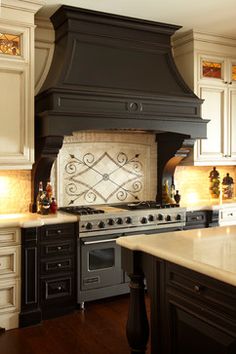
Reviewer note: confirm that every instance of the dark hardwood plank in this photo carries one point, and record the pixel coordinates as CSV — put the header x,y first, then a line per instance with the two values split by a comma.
x,y
98,329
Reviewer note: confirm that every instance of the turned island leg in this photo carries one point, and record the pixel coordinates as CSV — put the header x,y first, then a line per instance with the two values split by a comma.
x,y
137,328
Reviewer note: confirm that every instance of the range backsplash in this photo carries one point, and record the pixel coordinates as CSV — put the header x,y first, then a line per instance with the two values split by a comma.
x,y
106,167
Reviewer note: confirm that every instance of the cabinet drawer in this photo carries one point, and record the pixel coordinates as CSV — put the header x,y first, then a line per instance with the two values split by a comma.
x,y
58,265
57,248
227,216
56,288
9,236
9,261
52,232
9,295
217,296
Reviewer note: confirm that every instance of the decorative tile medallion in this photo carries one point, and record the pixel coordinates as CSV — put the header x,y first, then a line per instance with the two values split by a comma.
x,y
105,168
91,178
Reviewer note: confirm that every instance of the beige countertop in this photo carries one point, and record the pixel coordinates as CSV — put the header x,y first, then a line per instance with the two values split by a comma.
x,y
209,251
34,220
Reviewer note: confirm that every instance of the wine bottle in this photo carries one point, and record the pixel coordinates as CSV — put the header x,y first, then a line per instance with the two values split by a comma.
x,y
39,197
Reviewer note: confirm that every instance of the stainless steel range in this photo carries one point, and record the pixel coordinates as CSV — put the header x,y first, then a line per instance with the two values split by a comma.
x,y
99,260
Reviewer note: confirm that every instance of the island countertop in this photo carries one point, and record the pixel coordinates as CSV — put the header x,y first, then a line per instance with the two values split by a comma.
x,y
210,251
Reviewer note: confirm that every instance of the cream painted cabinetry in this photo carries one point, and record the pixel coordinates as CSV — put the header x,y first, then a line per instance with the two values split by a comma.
x,y
207,63
17,83
10,269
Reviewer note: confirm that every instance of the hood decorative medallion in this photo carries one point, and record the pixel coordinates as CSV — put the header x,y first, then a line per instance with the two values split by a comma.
x,y
111,72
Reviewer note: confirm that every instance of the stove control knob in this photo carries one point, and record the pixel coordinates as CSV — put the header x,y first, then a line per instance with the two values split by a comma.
x,y
160,217
128,220
178,217
111,222
150,217
168,218
144,220
89,226
119,221
101,224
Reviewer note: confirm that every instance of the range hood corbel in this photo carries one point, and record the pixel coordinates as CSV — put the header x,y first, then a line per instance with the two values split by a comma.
x,y
111,72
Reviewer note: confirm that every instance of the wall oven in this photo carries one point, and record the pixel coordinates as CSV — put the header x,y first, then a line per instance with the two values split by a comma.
x,y
99,257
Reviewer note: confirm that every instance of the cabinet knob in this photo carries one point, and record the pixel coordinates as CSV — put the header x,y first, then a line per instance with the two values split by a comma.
x,y
59,287
59,248
59,231
197,288
59,265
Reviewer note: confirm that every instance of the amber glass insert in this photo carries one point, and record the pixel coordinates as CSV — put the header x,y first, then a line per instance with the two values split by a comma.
x,y
211,69
10,44
234,72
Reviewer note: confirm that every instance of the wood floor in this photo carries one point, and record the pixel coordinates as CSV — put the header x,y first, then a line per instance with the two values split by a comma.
x,y
99,329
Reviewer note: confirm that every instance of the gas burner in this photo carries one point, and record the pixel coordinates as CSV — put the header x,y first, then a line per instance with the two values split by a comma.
x,y
81,210
148,205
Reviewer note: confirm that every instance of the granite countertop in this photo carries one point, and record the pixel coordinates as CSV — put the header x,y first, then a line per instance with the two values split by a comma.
x,y
210,251
34,220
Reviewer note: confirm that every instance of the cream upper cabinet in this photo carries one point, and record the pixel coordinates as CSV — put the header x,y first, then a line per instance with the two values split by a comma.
x,y
17,83
208,65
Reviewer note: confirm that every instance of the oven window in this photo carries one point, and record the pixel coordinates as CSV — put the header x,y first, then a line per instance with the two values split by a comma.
x,y
101,258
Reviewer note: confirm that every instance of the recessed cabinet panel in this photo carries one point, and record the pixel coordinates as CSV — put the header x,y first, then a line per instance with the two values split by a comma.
x,y
232,116
9,261
213,109
9,236
11,115
9,295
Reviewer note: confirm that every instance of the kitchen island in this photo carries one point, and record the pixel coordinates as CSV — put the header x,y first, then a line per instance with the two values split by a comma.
x,y
191,282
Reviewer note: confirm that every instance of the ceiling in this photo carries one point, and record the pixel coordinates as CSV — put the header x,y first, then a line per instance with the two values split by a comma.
x,y
216,17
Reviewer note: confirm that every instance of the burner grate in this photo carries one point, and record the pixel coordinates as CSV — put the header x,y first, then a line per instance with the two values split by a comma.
x,y
81,210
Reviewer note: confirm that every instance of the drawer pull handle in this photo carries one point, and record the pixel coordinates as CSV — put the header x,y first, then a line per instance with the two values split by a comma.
x,y
197,288
59,248
59,231
59,265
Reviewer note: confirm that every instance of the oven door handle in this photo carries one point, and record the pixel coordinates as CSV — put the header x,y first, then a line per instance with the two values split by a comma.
x,y
98,241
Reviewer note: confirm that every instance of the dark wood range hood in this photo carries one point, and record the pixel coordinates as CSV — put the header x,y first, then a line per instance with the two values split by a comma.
x,y
113,72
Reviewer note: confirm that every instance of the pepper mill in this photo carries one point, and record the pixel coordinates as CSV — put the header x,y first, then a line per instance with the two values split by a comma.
x,y
177,197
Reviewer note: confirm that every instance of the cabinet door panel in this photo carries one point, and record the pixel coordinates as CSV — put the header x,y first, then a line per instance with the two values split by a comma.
x,y
232,118
213,108
188,329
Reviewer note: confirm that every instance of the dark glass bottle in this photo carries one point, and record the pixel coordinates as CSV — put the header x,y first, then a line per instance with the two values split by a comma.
x,y
39,197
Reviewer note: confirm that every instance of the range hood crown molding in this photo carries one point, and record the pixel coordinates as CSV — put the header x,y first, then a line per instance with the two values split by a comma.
x,y
116,67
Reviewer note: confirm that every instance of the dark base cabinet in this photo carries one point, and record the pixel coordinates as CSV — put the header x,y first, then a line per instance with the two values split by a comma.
x,y
57,269
30,308
190,312
201,218
200,312
48,272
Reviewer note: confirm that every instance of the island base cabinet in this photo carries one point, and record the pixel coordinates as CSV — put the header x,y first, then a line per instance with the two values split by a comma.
x,y
192,333
200,313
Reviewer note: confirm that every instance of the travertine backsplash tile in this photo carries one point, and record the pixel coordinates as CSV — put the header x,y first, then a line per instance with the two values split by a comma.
x,y
15,191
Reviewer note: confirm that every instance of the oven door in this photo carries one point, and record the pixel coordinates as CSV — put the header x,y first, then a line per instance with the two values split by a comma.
x,y
100,262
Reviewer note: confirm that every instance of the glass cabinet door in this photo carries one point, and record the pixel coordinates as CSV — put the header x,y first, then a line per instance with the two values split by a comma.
x,y
212,69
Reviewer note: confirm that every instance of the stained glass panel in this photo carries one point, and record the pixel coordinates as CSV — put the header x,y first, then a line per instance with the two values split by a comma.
x,y
211,69
10,44
234,72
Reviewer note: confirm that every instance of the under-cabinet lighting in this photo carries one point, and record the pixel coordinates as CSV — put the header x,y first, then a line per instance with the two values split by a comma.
x,y
192,197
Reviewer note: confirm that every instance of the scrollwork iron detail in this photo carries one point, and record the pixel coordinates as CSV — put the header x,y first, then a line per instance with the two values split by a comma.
x,y
122,179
